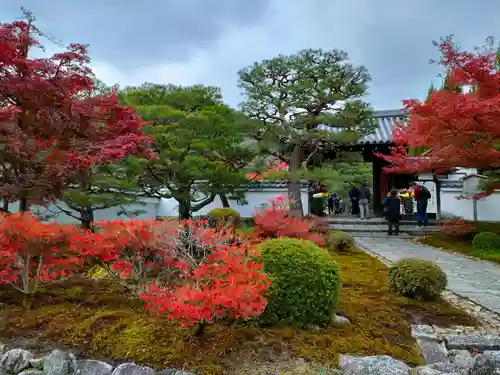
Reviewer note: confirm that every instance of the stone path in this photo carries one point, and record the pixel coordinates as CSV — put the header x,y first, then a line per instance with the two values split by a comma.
x,y
473,279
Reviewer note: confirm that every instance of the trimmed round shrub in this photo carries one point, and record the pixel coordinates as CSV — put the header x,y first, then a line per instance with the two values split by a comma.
x,y
417,279
485,242
339,241
225,215
305,285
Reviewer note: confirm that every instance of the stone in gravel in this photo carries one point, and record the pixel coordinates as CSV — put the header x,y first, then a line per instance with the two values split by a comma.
x,y
440,368
59,363
375,365
432,351
173,371
93,367
419,331
37,363
15,360
32,372
472,342
340,321
132,369
461,358
487,363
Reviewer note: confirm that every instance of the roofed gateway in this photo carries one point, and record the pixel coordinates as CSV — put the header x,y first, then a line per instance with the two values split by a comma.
x,y
379,141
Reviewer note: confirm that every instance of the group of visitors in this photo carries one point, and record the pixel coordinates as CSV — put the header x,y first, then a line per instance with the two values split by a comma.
x,y
360,198
395,206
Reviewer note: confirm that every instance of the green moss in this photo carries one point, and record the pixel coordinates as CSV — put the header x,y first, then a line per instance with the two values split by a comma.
x,y
94,319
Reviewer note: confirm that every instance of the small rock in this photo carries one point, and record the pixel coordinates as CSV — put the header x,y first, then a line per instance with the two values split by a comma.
x,y
440,368
419,331
472,342
37,363
3,349
59,363
93,367
462,358
339,320
375,365
172,371
16,360
432,351
32,372
132,369
487,363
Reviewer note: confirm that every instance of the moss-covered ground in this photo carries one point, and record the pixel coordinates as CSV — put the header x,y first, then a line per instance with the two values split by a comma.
x,y
95,319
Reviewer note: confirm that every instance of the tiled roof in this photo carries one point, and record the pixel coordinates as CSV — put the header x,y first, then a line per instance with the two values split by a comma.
x,y
279,184
383,133
452,184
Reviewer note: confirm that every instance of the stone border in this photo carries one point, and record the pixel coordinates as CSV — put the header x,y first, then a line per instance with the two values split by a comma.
x,y
58,362
489,319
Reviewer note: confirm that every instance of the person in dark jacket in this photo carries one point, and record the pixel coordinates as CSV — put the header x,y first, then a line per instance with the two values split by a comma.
x,y
364,201
421,195
392,209
354,198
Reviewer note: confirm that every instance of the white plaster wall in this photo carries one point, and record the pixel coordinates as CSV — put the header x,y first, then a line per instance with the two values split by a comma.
x,y
255,199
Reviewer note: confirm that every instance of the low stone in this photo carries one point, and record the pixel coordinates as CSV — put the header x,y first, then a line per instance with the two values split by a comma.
x,y
461,358
32,372
173,371
3,348
375,365
419,331
93,367
15,360
487,363
432,351
339,321
132,369
472,342
59,363
440,368
37,363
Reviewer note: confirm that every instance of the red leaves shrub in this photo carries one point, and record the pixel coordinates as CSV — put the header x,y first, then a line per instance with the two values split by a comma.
x,y
226,285
457,227
186,269
275,222
318,224
33,254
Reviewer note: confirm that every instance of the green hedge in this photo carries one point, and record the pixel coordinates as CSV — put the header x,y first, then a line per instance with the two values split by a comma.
x,y
306,282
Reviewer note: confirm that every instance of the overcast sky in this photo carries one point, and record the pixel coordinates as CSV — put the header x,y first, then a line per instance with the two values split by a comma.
x,y
208,41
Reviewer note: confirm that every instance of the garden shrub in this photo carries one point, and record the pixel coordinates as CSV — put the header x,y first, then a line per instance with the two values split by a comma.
x,y
485,242
318,224
305,285
339,241
275,222
417,279
225,216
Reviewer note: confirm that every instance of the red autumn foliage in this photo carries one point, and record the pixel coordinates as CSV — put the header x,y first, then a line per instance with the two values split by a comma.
x,y
272,169
51,129
460,127
456,227
276,222
33,254
227,285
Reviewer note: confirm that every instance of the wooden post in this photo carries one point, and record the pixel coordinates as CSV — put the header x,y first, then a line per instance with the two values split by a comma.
x,y
377,199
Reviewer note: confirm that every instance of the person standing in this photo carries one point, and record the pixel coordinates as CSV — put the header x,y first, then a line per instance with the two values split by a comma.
x,y
354,198
393,211
421,195
364,201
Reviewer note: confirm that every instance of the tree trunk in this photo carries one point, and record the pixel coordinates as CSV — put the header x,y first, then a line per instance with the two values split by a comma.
x,y
437,183
87,217
6,205
294,196
224,200
184,209
23,205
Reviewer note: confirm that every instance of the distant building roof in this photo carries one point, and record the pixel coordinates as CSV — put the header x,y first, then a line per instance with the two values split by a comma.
x,y
383,133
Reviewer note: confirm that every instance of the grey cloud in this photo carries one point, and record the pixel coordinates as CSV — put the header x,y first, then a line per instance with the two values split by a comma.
x,y
133,32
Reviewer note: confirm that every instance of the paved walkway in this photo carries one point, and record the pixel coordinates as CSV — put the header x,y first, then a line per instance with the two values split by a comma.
x,y
473,279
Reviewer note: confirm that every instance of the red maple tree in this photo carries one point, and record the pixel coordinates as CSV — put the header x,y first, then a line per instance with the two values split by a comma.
x,y
460,128
49,128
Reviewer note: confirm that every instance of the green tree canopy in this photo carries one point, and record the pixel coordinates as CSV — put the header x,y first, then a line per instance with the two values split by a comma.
x,y
292,96
198,140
